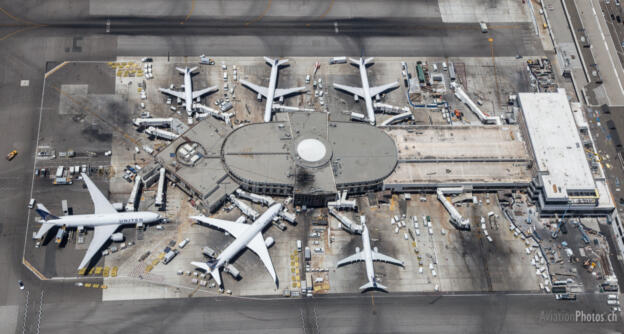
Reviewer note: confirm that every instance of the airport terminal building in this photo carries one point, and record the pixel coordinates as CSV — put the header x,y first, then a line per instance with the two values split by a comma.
x,y
311,158
307,157
558,140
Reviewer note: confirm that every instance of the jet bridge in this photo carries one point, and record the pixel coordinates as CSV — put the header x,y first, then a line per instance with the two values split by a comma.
x,y
134,194
347,224
462,96
260,199
457,220
398,118
207,111
155,122
161,188
343,202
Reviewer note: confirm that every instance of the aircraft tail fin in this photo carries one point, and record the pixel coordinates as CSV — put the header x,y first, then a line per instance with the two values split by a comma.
x,y
369,61
44,212
193,69
45,227
269,61
373,285
354,61
181,70
282,62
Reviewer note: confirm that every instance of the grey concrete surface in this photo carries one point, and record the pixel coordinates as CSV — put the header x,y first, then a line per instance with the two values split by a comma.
x,y
376,313
73,34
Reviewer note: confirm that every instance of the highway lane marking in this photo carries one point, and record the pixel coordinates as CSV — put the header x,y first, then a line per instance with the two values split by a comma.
x,y
56,68
190,12
266,10
607,47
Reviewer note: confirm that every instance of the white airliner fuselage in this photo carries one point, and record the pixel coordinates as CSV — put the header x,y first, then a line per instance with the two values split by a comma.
x,y
104,221
188,91
188,95
268,107
121,218
368,255
370,110
272,92
247,236
366,92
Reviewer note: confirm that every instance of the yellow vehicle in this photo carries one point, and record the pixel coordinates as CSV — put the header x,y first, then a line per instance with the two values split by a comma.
x,y
11,155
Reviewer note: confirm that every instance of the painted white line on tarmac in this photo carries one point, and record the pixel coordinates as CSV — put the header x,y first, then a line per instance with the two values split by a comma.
x,y
607,47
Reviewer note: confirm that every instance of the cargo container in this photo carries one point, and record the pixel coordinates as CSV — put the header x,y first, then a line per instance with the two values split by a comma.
x,y
307,254
59,171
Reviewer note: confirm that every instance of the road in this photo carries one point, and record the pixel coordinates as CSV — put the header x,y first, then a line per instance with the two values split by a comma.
x,y
377,313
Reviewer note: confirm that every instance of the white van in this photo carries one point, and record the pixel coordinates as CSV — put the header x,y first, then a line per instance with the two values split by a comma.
x,y
31,204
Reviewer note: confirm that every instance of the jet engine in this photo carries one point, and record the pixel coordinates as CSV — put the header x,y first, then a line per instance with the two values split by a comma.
x,y
117,237
269,242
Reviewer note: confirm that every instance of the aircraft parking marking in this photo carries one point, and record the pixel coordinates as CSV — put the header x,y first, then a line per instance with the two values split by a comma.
x,y
266,10
20,22
190,12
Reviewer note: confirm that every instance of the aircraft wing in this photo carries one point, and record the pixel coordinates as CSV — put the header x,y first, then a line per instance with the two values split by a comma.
x,y
380,89
385,258
100,202
204,91
351,259
172,92
234,228
350,89
258,89
279,92
100,236
258,246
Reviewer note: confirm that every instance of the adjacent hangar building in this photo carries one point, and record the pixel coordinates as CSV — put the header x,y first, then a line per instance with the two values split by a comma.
x,y
307,156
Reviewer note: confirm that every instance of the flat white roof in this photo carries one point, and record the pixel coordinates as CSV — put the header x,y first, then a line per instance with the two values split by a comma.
x,y
560,157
